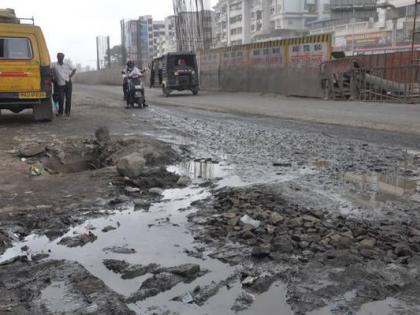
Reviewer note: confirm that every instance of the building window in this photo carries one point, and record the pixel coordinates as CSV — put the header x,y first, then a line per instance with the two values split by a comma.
x,y
296,48
256,52
306,48
318,47
266,51
235,19
236,31
236,6
276,51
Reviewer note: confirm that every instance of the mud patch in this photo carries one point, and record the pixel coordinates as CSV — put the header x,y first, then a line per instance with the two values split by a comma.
x,y
59,286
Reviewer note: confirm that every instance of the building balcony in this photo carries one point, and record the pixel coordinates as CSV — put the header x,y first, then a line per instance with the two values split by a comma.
x,y
350,5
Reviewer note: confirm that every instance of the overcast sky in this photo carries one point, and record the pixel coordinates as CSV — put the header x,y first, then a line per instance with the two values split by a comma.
x,y
72,26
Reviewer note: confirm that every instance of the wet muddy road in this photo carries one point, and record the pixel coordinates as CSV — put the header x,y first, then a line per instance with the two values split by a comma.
x,y
261,216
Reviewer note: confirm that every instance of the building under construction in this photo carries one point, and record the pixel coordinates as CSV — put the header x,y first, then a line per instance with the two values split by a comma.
x,y
193,20
103,55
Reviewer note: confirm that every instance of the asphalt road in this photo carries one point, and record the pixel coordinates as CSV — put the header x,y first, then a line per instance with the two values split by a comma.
x,y
380,116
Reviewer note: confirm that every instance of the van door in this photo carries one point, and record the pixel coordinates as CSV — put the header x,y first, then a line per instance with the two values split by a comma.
x,y
19,65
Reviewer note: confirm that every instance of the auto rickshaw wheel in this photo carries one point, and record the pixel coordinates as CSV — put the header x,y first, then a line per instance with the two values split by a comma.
x,y
194,91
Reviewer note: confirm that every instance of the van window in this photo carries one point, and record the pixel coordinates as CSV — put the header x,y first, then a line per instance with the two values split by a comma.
x,y
15,48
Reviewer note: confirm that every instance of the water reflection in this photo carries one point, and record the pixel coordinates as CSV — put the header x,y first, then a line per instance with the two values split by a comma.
x,y
205,169
374,187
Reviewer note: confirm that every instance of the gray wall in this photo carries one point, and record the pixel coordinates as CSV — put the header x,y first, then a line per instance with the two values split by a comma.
x,y
288,67
106,76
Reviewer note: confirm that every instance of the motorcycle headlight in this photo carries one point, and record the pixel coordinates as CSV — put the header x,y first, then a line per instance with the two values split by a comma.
x,y
193,72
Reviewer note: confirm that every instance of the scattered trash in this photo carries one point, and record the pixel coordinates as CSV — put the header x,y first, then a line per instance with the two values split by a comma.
x,y
35,170
108,228
120,250
187,298
282,164
78,240
249,281
246,219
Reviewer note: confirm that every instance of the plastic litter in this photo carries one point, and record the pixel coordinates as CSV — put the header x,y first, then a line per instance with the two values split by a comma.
x,y
246,219
249,280
35,171
187,298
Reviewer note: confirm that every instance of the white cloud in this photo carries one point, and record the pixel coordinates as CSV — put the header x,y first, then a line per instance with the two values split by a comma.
x,y
71,27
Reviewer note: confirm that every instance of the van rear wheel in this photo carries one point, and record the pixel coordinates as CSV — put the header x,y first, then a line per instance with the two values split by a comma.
x,y
43,111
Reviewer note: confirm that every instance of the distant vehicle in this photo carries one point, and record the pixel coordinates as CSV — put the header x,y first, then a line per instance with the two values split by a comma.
x,y
175,71
135,91
25,75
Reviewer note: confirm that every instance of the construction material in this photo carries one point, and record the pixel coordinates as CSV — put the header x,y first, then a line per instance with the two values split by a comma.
x,y
193,21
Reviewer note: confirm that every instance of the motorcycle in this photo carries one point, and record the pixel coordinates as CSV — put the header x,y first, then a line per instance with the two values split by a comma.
x,y
134,91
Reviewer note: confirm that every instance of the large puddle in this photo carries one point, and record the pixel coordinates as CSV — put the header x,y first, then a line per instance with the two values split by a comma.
x,y
160,235
157,235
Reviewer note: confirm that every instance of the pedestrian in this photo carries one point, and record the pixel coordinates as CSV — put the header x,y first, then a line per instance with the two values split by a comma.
x,y
63,73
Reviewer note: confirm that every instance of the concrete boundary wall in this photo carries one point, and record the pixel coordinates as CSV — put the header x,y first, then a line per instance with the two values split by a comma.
x,y
288,67
106,76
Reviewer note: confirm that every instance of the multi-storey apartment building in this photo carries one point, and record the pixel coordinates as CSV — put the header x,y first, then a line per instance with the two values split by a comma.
x,y
244,21
137,39
370,25
144,38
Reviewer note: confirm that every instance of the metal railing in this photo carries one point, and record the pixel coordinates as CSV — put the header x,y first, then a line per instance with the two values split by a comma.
x,y
399,84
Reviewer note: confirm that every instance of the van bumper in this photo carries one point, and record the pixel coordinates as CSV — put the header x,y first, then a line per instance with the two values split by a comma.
x,y
11,100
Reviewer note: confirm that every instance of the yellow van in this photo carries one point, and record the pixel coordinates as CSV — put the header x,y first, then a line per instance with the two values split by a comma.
x,y
25,74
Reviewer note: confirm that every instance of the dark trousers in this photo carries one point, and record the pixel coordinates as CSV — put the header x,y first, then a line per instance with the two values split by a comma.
x,y
64,92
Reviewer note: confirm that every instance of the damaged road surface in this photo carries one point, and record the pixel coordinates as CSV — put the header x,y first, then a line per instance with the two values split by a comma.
x,y
181,211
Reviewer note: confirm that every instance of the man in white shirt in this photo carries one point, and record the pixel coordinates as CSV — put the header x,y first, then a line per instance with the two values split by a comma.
x,y
63,73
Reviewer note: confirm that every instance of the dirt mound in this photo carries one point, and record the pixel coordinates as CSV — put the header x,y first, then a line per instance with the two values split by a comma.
x,y
78,155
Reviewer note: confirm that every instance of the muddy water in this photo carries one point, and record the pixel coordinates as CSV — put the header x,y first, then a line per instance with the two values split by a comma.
x,y
159,235
389,306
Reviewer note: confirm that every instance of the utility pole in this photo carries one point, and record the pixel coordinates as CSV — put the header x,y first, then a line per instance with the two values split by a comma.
x,y
353,30
413,39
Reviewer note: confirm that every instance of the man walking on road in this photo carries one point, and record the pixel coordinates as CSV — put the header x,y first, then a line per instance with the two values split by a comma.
x,y
63,73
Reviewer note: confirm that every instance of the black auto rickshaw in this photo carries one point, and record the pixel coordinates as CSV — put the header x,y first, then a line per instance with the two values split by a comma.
x,y
176,71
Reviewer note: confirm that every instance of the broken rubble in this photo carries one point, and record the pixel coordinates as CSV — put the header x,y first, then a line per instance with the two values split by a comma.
x,y
129,271
184,181
120,250
78,240
165,279
131,165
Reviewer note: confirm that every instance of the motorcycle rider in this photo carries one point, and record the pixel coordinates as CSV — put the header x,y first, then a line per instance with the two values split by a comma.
x,y
129,71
